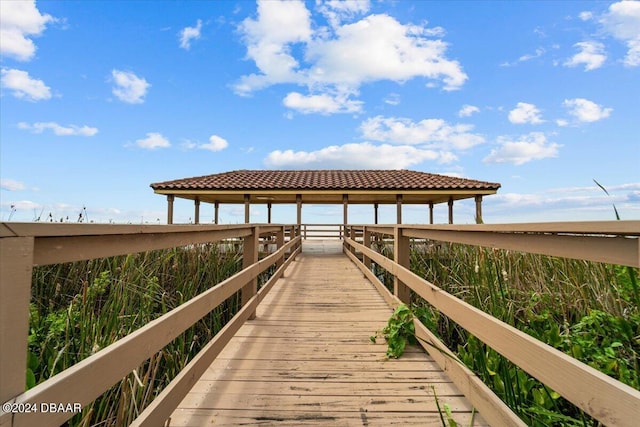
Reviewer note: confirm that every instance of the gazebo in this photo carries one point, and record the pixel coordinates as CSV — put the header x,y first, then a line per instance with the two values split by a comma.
x,y
344,187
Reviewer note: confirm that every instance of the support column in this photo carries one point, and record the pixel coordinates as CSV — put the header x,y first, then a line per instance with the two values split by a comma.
x,y
196,215
479,209
450,203
170,199
399,209
216,212
249,257
345,211
430,212
247,208
375,213
269,213
401,254
299,209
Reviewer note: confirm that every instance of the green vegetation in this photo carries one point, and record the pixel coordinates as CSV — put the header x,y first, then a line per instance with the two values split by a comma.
x,y
587,310
79,308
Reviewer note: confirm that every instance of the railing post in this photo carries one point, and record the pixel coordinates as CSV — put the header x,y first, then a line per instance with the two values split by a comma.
x,y
352,236
16,267
249,257
401,253
366,241
280,244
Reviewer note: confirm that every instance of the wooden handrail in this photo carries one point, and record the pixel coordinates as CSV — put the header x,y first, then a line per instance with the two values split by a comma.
x,y
24,245
599,395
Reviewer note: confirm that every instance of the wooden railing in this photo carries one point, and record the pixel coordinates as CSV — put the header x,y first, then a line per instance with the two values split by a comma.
x,y
23,245
321,231
604,398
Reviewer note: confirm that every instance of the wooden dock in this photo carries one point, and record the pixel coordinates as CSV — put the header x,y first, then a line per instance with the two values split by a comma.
x,y
306,359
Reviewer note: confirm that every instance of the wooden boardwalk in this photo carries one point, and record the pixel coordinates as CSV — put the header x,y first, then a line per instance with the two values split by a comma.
x,y
307,360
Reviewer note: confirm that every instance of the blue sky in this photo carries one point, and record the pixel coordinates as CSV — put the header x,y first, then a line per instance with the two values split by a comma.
x,y
101,98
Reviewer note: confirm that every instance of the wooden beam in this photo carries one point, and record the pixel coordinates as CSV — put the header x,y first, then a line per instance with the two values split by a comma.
x,y
170,199
450,203
247,208
196,219
16,264
216,212
375,213
402,256
269,205
299,209
345,209
612,250
478,199
430,212
399,209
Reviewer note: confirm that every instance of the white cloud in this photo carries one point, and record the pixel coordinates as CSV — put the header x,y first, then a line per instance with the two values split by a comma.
x,y
591,54
525,113
585,15
152,141
355,156
323,103
524,58
338,60
586,111
59,130
468,110
129,87
378,47
392,99
533,146
190,33
12,185
337,11
269,38
19,21
623,22
215,143
23,86
434,133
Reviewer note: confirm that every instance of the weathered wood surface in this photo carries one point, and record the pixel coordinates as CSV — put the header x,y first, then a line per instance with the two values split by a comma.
x,y
306,359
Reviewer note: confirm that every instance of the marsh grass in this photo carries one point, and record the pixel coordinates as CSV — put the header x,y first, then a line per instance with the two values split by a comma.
x,y
587,310
79,308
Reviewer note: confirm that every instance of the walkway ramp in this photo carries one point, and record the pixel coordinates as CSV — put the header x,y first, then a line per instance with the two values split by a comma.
x,y
307,360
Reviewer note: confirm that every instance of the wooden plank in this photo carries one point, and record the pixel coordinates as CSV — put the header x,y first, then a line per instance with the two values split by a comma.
x,y
315,388
308,353
613,250
16,261
45,229
276,417
622,228
53,250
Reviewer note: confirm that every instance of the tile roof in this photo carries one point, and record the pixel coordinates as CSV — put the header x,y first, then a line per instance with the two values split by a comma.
x,y
325,180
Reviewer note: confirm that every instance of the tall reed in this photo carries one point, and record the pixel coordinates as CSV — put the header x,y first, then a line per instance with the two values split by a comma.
x,y
588,310
79,308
